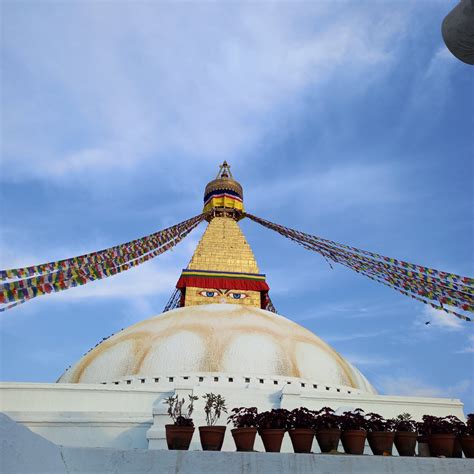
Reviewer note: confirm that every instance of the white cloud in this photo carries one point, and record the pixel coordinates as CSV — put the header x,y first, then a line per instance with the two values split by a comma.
x,y
147,279
155,277
469,349
372,360
439,319
165,82
355,335
415,387
431,88
335,189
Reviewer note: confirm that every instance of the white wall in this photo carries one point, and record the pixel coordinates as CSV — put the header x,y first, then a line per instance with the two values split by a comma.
x,y
120,416
22,452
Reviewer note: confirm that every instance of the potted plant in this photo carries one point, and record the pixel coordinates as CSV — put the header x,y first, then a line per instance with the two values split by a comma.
x,y
441,433
212,436
245,427
180,433
458,428
467,437
405,434
354,433
300,425
328,432
379,434
271,427
423,435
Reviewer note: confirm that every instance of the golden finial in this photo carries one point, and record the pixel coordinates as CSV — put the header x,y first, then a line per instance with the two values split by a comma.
x,y
224,171
224,194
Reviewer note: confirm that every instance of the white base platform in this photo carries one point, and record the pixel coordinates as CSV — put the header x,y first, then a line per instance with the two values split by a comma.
x,y
130,416
21,451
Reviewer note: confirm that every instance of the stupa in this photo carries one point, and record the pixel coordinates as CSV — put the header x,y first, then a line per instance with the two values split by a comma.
x,y
221,335
223,325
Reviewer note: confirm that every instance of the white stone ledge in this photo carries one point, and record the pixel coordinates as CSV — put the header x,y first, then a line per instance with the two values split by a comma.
x,y
71,387
81,418
195,462
22,451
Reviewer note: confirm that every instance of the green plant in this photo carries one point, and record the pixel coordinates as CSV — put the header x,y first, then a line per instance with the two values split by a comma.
x,y
175,410
215,405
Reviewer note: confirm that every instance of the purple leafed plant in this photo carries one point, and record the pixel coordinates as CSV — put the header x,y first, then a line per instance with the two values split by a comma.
x,y
273,419
353,420
440,425
404,422
376,422
458,426
326,419
469,425
301,418
243,417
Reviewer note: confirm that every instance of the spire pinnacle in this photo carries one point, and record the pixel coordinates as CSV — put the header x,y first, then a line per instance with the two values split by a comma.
x,y
224,195
224,171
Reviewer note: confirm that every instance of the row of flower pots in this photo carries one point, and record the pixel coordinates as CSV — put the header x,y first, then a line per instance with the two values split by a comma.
x,y
446,436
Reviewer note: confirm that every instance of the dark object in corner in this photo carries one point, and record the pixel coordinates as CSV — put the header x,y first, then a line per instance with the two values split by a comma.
x,y
458,31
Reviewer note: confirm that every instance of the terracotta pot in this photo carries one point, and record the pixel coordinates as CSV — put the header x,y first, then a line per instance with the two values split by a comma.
x,y
244,438
212,437
423,447
179,437
405,442
442,444
272,439
457,450
328,439
467,443
353,441
381,442
301,439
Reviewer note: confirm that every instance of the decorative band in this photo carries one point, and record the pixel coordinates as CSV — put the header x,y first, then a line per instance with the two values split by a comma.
x,y
217,274
229,202
222,283
221,192
223,280
222,195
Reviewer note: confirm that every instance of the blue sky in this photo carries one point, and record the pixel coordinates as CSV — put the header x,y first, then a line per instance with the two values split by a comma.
x,y
350,121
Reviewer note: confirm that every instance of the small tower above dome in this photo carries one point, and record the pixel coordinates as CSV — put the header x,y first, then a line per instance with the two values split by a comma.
x,y
223,268
224,195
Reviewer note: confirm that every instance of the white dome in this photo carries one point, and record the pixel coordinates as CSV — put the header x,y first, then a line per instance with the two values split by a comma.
x,y
222,338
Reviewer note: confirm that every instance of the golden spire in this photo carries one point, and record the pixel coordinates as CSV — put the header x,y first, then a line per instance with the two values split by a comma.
x,y
223,268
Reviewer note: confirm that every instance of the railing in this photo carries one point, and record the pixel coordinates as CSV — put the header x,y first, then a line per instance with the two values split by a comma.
x,y
247,381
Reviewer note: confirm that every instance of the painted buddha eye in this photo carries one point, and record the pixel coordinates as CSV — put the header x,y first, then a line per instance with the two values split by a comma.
x,y
208,294
237,296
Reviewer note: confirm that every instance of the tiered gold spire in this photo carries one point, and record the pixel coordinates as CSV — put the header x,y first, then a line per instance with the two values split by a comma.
x,y
223,268
224,248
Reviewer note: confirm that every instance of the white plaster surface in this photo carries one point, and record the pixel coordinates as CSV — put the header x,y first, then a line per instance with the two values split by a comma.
x,y
21,451
224,338
133,416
